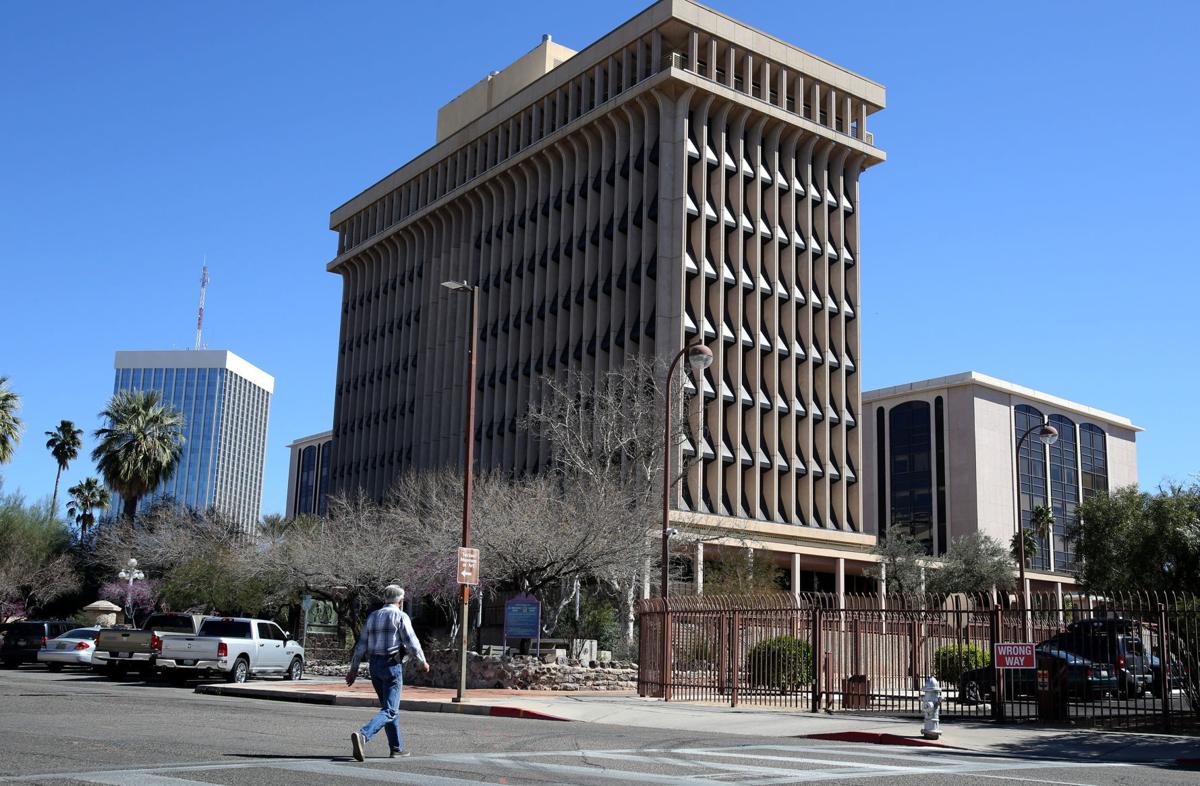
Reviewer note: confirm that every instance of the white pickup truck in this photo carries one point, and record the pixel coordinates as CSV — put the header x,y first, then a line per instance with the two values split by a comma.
x,y
235,647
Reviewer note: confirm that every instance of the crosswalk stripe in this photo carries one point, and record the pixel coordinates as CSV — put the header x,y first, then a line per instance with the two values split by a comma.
x,y
627,776
140,779
361,772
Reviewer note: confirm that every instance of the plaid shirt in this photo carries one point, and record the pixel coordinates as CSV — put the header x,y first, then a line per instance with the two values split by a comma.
x,y
386,630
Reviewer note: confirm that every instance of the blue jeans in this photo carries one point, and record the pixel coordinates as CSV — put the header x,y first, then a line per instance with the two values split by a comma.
x,y
388,678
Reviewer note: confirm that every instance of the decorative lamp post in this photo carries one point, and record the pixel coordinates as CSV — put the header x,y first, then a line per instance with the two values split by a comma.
x,y
131,574
1047,435
699,358
468,469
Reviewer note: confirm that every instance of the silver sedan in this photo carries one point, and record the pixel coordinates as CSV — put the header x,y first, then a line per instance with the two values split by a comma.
x,y
73,648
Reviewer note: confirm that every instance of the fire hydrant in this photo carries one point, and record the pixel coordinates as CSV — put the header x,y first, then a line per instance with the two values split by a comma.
x,y
931,707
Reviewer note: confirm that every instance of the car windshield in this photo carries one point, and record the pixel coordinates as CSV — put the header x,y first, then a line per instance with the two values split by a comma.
x,y
28,629
81,633
227,629
170,623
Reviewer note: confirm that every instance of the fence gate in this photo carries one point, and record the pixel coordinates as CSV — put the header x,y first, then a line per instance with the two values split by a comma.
x,y
1107,660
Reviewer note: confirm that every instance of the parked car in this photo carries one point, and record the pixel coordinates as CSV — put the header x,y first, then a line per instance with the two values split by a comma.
x,y
1086,679
236,648
1117,642
122,649
73,648
23,639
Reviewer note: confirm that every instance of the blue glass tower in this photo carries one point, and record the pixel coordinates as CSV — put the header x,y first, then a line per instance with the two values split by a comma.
x,y
225,402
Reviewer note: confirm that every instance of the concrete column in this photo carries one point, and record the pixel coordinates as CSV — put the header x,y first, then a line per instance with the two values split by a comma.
x,y
698,568
923,576
1058,596
796,575
840,581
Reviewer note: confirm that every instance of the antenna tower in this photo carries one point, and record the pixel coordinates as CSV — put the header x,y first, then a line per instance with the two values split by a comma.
x,y
200,315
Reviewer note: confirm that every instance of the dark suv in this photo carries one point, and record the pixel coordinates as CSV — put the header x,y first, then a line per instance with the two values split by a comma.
x,y
1116,641
22,640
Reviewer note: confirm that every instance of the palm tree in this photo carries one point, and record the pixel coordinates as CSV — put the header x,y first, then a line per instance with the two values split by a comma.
x,y
86,497
139,447
10,424
1041,526
64,445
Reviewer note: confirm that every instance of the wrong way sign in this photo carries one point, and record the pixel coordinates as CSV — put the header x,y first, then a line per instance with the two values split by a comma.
x,y
1015,656
468,566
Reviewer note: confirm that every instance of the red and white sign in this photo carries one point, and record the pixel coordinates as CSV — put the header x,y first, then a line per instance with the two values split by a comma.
x,y
1015,656
468,566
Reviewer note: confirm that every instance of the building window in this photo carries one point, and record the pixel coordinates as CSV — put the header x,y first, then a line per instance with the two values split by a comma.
x,y
1064,489
323,475
305,484
881,471
1032,474
1093,456
911,471
939,438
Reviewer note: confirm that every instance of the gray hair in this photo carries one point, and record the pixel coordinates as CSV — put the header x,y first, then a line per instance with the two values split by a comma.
x,y
393,593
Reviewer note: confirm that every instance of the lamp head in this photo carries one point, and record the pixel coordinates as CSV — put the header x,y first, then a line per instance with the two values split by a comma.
x,y
132,562
1048,434
670,532
699,357
457,286
123,575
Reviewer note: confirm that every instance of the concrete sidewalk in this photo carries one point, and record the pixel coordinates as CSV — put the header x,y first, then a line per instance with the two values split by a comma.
x,y
628,709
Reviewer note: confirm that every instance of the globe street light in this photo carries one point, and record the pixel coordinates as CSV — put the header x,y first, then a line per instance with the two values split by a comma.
x,y
469,468
1048,435
699,358
131,575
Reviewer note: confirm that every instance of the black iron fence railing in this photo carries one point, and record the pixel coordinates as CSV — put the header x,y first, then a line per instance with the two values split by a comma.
x,y
1130,660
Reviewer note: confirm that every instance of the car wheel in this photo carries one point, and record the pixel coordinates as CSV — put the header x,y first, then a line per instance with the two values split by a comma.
x,y
295,670
240,671
54,668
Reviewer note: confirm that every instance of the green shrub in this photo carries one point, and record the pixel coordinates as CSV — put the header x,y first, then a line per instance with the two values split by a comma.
x,y
698,652
951,661
783,662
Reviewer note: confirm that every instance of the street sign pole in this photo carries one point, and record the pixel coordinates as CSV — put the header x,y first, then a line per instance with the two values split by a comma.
x,y
468,477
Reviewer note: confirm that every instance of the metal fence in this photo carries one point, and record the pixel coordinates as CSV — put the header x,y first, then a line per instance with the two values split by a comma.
x,y
1101,659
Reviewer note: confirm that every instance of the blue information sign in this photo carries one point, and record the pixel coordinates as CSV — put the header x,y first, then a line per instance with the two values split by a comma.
x,y
522,617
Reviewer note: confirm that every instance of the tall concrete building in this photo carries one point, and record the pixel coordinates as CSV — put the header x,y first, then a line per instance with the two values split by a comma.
x,y
225,402
308,475
683,178
941,463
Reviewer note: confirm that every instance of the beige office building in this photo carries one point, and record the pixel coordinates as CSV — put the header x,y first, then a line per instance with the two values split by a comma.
x,y
683,178
941,463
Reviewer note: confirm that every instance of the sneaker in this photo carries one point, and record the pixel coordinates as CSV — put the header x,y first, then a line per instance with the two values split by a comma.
x,y
400,754
356,745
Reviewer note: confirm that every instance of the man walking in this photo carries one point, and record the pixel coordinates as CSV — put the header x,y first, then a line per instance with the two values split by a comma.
x,y
387,638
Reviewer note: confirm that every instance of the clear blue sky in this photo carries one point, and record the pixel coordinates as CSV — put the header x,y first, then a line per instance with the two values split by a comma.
x,y
1036,220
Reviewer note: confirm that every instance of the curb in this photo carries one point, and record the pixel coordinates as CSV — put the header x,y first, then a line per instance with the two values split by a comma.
x,y
877,738
309,697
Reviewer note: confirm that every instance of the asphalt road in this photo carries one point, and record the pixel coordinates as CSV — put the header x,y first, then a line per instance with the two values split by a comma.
x,y
74,728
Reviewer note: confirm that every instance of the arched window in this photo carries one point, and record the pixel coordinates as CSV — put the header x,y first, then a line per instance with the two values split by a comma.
x,y
911,471
1064,489
1032,475
881,472
1093,456
323,476
306,480
939,438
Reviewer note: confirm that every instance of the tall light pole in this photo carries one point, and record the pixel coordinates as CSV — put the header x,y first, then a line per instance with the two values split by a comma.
x,y
468,469
130,574
1048,435
699,358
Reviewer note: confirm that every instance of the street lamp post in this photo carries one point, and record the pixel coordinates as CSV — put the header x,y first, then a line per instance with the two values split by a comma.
x,y
130,574
1047,435
468,470
699,358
